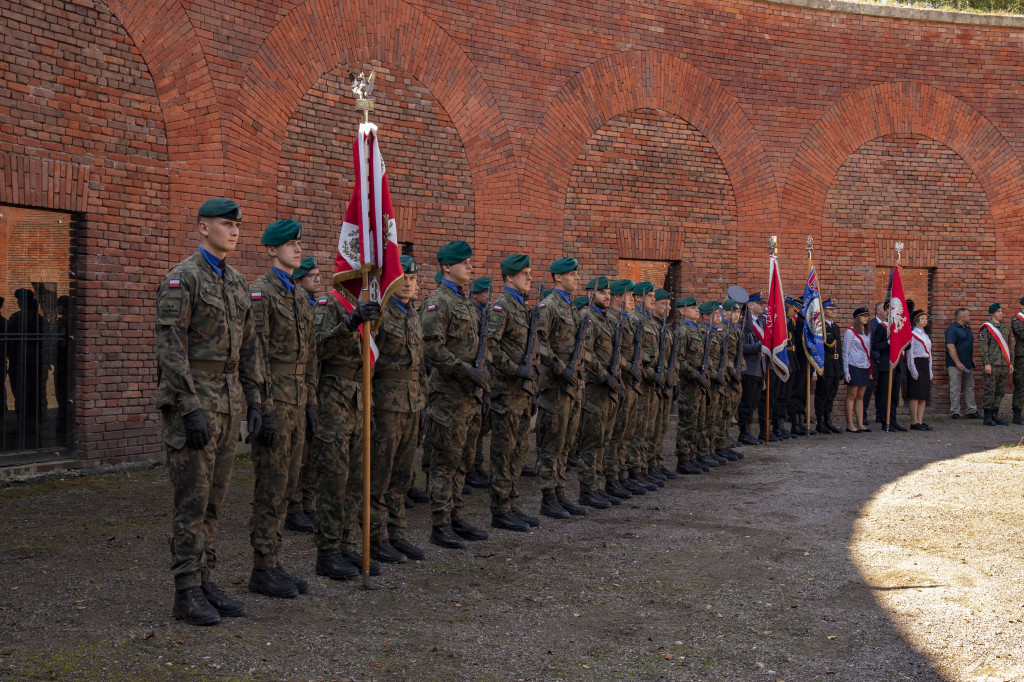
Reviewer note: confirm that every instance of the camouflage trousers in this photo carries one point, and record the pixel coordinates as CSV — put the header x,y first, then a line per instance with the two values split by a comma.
x,y
655,454
622,422
522,450
508,438
305,487
724,418
594,430
200,480
995,386
558,419
1018,383
277,473
692,405
478,445
636,450
708,429
392,462
454,419
338,460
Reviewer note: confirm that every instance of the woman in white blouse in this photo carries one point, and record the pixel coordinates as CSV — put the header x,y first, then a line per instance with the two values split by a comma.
x,y
857,369
919,362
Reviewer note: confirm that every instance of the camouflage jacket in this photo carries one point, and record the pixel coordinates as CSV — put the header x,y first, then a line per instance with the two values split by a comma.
x,y
691,352
339,389
206,346
399,381
734,348
988,347
625,342
451,335
649,343
714,350
556,334
600,334
1018,337
284,333
507,329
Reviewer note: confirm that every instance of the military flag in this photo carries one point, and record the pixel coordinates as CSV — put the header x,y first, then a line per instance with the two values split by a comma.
x,y
900,330
814,326
776,332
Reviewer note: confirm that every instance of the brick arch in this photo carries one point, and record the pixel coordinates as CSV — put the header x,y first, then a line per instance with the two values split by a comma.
x,y
904,107
628,81
310,42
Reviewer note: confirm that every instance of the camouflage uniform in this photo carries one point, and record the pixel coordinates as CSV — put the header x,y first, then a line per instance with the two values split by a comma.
x,y
399,393
734,376
646,412
451,336
1018,362
338,442
558,415
662,402
305,487
692,402
622,420
722,420
507,329
284,333
207,357
709,429
597,403
991,354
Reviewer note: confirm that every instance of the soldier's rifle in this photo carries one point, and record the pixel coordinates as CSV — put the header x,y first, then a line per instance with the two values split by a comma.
x,y
481,349
725,344
660,367
577,346
638,337
530,354
613,366
674,354
704,363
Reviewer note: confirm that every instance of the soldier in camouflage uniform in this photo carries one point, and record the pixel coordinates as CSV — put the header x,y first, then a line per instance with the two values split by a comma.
x,y
513,382
708,430
994,346
207,358
734,368
1017,327
623,417
560,389
481,425
662,395
399,393
692,385
338,438
730,347
451,337
284,332
637,451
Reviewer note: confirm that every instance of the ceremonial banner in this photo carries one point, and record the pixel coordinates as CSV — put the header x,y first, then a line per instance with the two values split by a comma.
x,y
776,332
900,331
369,236
814,326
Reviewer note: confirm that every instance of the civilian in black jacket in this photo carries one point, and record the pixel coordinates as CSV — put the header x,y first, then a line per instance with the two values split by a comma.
x,y
880,346
828,380
752,397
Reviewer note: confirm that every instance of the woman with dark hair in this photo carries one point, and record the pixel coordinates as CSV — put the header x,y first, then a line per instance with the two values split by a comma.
x,y
857,369
919,362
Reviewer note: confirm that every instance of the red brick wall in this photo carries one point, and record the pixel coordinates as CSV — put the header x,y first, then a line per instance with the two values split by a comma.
x,y
520,127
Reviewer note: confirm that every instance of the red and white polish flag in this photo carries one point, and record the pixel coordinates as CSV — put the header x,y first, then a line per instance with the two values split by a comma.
x,y
776,330
900,331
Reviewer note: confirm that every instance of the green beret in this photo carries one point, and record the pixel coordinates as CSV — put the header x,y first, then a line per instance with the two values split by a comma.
x,y
281,231
481,284
643,288
598,284
564,265
686,302
580,302
439,276
454,252
994,307
409,265
731,305
305,265
621,286
1022,300
515,264
708,307
220,208
661,295
546,293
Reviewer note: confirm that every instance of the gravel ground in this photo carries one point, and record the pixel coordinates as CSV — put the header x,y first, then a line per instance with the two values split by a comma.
x,y
869,557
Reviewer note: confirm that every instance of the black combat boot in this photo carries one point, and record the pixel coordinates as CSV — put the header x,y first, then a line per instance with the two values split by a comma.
x,y
269,583
720,456
382,551
708,461
531,521
633,487
798,429
832,427
409,502
615,489
298,522
467,531
550,507
443,536
822,429
610,499
589,499
997,420
1017,419
690,468
356,559
573,509
477,479
528,472
192,607
225,605
666,472
408,549
646,481
335,567
301,585
418,496
747,438
508,521
988,419
730,454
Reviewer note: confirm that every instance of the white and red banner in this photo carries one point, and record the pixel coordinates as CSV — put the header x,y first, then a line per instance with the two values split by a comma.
x,y
997,336
369,236
776,330
900,331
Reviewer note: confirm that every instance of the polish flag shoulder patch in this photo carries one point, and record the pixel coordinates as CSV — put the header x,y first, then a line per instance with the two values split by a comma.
x,y
497,308
543,305
256,295
431,307
174,284
322,300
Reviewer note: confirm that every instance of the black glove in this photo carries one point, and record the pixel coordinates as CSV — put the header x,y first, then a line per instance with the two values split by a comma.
x,y
486,405
659,379
526,372
268,431
197,429
568,375
612,383
253,421
704,382
311,422
364,312
719,379
476,375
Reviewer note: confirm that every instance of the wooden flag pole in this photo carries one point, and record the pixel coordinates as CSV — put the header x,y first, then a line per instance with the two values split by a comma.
x,y
807,403
888,331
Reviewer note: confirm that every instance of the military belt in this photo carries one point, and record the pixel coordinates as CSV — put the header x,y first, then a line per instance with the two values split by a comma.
x,y
403,374
218,366
353,374
287,368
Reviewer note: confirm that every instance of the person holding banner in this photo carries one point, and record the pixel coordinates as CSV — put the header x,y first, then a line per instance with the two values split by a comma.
x,y
919,365
995,357
828,381
857,369
887,388
752,396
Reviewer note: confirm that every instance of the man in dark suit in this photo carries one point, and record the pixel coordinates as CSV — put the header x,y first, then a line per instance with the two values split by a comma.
x,y
879,318
880,346
828,380
752,397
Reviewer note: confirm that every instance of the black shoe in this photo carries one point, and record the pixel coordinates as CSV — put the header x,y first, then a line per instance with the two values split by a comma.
x,y
528,472
955,416
720,456
572,461
832,427
301,585
895,427
666,472
408,549
784,433
747,439
997,420
633,487
550,507
735,453
573,509
477,479
821,428
610,499
508,521
691,469
656,474
298,522
798,429
356,559
708,461
531,521
269,583
925,427
225,605
443,536
916,427
468,532
591,500
731,455
646,481
192,607
336,567
467,490
973,415
615,489
409,502
418,496
988,418
382,551
1017,418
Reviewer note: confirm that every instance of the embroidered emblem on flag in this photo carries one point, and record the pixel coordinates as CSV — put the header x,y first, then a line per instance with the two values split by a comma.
x,y
174,284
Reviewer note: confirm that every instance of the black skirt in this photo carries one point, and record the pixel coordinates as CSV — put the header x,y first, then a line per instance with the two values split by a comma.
x,y
860,376
921,387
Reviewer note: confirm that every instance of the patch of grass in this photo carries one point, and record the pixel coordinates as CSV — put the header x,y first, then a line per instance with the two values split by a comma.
x,y
1012,7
